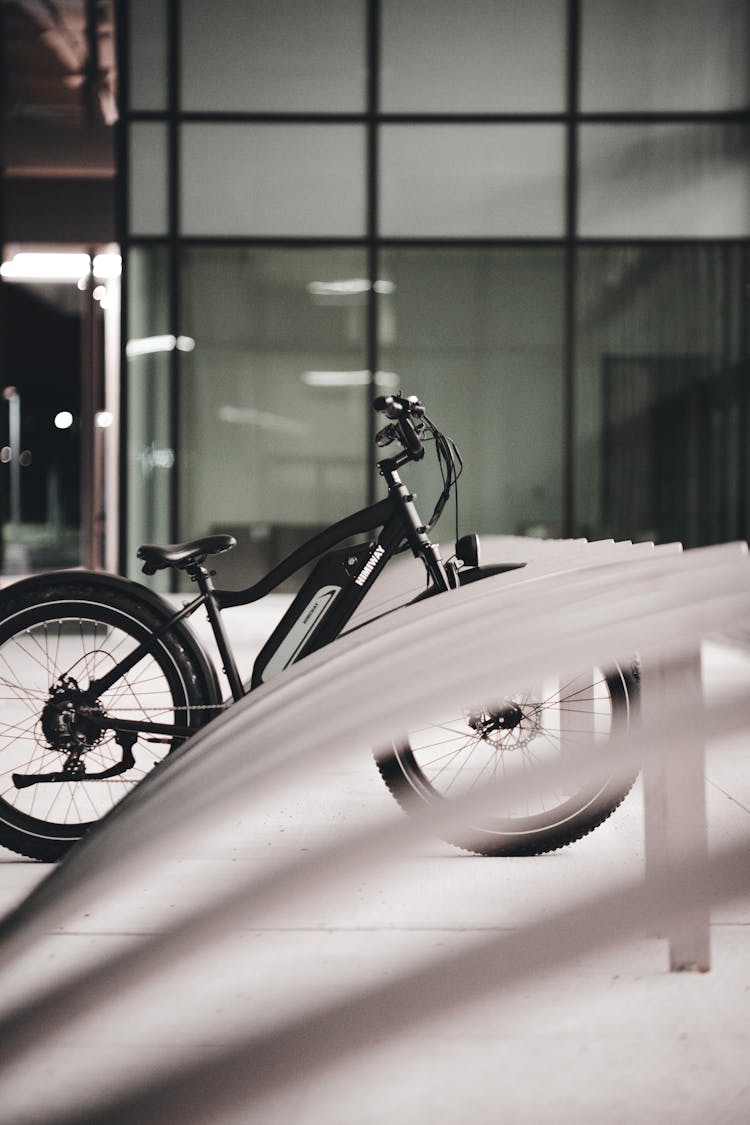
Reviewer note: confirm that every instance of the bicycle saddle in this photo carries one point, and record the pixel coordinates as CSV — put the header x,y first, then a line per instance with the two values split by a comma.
x,y
181,555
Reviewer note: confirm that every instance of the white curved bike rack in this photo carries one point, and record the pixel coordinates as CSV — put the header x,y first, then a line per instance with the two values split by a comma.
x,y
569,607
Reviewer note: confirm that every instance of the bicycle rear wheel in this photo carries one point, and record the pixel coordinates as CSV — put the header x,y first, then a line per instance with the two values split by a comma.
x,y
515,738
54,641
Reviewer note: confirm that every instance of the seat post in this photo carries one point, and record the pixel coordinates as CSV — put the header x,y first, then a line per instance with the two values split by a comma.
x,y
202,576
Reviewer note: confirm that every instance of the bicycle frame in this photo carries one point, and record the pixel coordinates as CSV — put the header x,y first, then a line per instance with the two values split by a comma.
x,y
325,603
68,626
342,577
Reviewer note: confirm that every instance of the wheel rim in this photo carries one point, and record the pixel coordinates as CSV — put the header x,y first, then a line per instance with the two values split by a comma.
x,y
517,737
38,649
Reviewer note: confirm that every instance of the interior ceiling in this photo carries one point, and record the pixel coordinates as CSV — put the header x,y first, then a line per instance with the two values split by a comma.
x,y
59,88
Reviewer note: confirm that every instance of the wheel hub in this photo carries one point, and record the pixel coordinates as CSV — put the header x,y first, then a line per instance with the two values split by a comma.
x,y
511,726
68,718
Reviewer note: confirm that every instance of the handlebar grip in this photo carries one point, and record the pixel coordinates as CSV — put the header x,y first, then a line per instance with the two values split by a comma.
x,y
389,405
393,406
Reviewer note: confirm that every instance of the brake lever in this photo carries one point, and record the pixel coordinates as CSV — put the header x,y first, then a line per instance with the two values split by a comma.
x,y
386,436
409,436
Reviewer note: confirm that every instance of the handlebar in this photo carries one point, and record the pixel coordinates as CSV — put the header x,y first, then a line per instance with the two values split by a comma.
x,y
408,424
395,406
402,410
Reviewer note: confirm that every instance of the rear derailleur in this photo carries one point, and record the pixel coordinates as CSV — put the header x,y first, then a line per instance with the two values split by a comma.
x,y
71,726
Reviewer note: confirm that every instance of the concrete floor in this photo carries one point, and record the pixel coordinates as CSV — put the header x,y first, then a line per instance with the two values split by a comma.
x,y
608,1039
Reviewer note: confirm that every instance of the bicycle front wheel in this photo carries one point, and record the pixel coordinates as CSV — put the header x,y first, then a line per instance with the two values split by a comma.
x,y
54,749
514,738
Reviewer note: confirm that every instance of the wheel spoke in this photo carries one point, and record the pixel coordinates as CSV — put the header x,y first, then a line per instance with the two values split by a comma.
x,y
516,736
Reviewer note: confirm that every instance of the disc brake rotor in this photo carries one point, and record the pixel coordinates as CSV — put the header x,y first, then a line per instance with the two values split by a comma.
x,y
510,726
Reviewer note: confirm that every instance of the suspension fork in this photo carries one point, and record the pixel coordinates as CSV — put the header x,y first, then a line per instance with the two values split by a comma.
x,y
411,525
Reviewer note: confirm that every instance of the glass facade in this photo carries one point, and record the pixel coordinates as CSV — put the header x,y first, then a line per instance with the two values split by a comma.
x,y
657,56
150,454
484,57
148,202
273,395
655,180
480,332
285,180
661,392
472,181
535,216
147,62
280,56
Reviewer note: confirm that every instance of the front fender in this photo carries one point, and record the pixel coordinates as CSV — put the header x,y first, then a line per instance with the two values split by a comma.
x,y
467,575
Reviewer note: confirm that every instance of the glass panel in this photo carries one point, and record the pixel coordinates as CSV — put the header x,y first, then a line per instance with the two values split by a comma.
x,y
661,422
472,180
276,55
478,56
150,456
275,180
274,398
148,54
477,334
665,180
665,55
148,178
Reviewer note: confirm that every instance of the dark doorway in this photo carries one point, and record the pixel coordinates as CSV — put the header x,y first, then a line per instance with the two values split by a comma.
x,y
671,449
40,426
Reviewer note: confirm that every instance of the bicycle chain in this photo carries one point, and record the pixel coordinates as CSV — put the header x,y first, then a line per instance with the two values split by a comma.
x,y
217,707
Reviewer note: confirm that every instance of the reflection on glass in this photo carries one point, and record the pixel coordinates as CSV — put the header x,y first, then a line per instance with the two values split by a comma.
x,y
150,455
476,56
274,55
291,180
477,334
651,55
268,453
659,393
686,180
472,180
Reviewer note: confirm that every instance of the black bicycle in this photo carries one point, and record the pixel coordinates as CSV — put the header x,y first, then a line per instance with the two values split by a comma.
x,y
101,678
